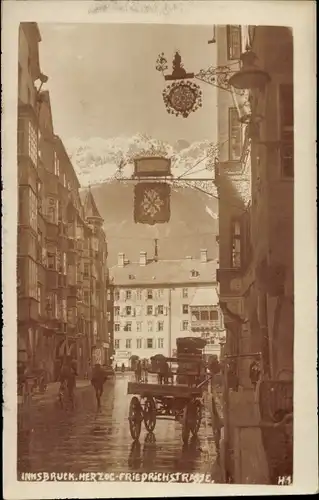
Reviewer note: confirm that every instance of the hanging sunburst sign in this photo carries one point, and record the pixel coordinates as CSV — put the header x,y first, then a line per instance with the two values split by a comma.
x,y
182,98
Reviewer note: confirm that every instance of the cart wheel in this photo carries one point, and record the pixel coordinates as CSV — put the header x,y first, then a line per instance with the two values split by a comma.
x,y
149,414
185,425
196,417
135,418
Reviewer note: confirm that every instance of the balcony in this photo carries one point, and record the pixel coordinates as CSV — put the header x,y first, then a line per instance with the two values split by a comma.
x,y
204,325
230,281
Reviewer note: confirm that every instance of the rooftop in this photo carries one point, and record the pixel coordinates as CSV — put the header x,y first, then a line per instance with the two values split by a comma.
x,y
162,272
205,297
90,208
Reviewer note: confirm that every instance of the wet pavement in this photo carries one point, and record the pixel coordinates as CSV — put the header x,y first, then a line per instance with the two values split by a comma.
x,y
52,439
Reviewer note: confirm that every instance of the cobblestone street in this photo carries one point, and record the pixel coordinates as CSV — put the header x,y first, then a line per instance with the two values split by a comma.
x,y
52,439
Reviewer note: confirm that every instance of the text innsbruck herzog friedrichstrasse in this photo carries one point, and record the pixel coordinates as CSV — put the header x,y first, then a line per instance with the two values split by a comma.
x,y
160,477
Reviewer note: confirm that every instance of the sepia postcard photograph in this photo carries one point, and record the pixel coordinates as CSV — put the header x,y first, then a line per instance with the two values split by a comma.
x,y
159,249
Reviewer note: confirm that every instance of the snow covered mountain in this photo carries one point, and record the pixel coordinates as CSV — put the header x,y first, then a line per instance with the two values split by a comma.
x,y
194,213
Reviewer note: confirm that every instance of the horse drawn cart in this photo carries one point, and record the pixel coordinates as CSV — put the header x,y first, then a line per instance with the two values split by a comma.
x,y
181,402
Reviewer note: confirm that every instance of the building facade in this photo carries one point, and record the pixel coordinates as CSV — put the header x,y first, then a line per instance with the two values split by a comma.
x,y
155,303
255,183
55,234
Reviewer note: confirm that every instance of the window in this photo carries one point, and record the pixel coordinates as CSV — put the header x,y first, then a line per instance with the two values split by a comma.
x,y
56,165
138,294
39,298
128,295
116,311
108,295
195,315
160,326
86,272
149,294
160,293
139,326
116,327
64,266
149,310
160,309
33,279
194,273
236,245
185,293
32,143
64,310
64,181
128,311
51,259
185,308
117,295
149,343
128,343
235,135
204,315
184,326
116,343
160,343
86,296
150,326
52,210
33,210
108,316
213,315
139,343
286,94
128,327
233,42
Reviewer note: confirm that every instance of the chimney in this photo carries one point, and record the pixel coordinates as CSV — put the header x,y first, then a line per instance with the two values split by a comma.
x,y
142,258
120,259
203,255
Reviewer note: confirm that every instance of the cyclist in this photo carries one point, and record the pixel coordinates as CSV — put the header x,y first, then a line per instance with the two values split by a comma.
x,y
98,380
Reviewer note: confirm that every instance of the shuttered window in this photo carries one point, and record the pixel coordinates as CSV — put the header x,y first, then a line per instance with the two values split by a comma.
x,y
233,41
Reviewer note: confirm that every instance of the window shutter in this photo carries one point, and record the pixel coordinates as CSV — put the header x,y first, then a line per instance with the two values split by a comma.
x,y
181,326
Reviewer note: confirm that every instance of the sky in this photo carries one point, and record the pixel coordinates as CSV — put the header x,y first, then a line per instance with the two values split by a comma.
x,y
103,81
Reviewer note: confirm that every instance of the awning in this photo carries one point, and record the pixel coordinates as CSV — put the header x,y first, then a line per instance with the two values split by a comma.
x,y
205,297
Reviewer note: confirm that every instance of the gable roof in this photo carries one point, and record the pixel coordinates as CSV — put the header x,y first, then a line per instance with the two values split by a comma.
x,y
90,208
165,272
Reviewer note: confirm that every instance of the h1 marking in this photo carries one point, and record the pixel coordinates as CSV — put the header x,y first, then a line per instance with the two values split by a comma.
x,y
284,480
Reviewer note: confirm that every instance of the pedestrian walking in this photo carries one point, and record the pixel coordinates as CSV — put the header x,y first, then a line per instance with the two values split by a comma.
x,y
138,371
67,377
98,380
123,368
254,373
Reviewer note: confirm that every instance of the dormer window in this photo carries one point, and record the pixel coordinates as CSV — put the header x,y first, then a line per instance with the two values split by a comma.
x,y
194,273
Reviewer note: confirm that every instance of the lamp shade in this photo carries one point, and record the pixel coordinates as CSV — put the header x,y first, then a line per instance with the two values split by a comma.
x,y
250,76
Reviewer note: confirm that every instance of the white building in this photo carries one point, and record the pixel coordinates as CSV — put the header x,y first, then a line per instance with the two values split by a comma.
x,y
153,301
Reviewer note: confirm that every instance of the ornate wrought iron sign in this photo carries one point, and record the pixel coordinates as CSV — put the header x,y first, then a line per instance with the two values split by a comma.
x,y
182,98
